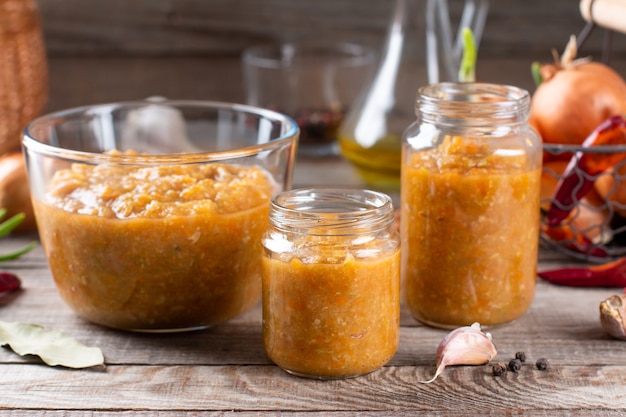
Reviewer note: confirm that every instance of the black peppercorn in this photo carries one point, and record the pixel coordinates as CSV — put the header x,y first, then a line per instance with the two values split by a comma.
x,y
515,365
498,369
542,364
521,356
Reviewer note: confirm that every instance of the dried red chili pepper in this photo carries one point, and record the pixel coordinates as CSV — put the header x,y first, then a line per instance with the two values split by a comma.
x,y
580,174
611,274
9,282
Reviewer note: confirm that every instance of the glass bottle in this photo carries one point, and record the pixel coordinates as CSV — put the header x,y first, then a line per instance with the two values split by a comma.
x,y
331,282
471,168
371,135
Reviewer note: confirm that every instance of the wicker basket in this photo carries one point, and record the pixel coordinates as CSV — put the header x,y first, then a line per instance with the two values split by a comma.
x,y
23,70
595,229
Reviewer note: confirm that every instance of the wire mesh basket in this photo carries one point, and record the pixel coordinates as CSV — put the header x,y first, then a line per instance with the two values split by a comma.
x,y
594,228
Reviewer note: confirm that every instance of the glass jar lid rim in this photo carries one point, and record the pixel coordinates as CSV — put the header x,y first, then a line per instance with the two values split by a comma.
x,y
328,199
338,208
473,92
472,101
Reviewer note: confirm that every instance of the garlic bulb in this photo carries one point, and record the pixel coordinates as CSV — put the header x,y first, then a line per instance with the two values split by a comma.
x,y
466,345
157,126
612,313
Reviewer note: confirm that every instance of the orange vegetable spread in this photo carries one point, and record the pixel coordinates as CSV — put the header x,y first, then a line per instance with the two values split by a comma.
x,y
156,248
470,219
331,317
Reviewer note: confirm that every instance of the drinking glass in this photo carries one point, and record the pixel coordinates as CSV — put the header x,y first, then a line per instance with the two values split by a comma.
x,y
314,82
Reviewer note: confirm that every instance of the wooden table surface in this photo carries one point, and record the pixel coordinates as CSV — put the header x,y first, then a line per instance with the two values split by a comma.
x,y
224,371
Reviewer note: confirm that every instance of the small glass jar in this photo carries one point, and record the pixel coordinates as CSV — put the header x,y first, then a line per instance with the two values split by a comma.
x,y
470,186
331,282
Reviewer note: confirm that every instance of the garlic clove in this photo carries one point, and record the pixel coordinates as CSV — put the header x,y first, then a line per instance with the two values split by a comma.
x,y
466,345
612,313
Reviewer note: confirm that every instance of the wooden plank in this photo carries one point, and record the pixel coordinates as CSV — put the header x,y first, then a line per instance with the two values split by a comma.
x,y
90,80
257,388
389,413
158,27
78,81
192,27
562,325
499,412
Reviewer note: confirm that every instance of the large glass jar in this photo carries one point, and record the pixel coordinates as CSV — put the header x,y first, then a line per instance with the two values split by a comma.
x,y
331,282
471,169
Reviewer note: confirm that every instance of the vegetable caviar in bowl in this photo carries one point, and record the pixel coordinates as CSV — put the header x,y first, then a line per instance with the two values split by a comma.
x,y
151,213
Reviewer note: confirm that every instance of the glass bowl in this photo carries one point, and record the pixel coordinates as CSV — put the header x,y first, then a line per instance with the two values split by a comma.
x,y
594,229
151,213
314,81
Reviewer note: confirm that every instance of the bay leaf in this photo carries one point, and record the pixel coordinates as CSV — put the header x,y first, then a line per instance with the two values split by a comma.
x,y
52,346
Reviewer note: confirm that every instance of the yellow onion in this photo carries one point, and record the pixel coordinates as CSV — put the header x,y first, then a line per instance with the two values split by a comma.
x,y
574,97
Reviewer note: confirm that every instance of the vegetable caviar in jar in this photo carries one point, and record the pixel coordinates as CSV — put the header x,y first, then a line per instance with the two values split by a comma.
x,y
470,183
331,282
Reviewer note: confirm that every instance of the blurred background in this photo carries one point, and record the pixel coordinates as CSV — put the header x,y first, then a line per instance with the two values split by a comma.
x,y
102,51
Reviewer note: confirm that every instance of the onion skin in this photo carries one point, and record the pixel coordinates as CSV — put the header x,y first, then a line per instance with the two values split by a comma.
x,y
552,171
15,191
570,104
612,190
